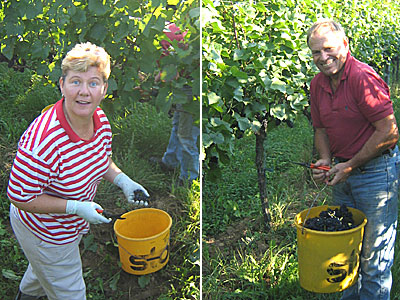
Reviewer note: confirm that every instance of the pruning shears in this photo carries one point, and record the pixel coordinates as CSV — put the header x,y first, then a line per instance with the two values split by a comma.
x,y
109,215
312,166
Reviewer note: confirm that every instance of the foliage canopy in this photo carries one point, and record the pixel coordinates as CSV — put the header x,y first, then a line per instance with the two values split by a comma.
x,y
257,66
36,35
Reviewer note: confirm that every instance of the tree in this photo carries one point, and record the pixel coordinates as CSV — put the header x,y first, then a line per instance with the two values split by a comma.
x,y
257,67
36,35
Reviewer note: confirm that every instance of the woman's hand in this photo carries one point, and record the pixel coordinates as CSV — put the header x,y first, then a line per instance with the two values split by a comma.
x,y
87,211
131,190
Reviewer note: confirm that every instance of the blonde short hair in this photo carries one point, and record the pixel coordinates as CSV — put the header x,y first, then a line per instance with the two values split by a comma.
x,y
325,23
86,55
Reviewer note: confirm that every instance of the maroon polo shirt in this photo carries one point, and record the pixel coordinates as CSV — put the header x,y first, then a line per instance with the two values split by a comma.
x,y
361,98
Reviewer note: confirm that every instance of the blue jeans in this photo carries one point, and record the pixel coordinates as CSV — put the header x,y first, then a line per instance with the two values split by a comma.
x,y
373,189
182,148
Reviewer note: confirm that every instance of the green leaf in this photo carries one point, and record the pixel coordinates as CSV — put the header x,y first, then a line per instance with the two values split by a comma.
x,y
144,280
121,3
34,9
97,7
114,281
216,138
243,123
279,111
237,73
159,24
217,107
213,98
98,32
14,28
9,274
265,78
146,31
169,72
238,93
121,31
194,13
180,97
80,16
155,3
129,85
55,74
163,100
278,84
239,54
8,49
256,126
89,243
133,4
112,85
39,50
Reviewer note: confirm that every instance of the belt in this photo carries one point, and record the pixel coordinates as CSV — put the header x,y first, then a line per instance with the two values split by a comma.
x,y
342,160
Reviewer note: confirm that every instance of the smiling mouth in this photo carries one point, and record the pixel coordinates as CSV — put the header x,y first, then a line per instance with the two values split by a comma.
x,y
83,102
328,63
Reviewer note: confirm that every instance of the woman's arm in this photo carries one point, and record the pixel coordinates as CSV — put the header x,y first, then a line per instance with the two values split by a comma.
x,y
112,171
43,204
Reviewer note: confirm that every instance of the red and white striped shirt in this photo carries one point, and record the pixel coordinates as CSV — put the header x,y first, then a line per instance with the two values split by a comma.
x,y
54,160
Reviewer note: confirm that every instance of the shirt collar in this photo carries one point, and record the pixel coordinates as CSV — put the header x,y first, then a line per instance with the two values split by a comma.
x,y
64,123
325,82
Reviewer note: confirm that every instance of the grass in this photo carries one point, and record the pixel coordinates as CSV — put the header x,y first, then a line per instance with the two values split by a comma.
x,y
139,132
241,260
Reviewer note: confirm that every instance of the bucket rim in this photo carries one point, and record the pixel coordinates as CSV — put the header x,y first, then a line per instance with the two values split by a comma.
x,y
145,238
348,231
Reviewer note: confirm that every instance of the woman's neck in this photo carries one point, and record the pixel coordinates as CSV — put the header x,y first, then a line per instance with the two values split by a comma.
x,y
83,127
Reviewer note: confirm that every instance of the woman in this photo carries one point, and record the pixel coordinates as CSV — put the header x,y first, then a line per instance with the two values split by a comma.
x,y
61,158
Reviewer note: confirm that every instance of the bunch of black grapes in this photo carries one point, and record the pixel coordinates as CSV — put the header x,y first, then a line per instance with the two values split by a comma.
x,y
337,219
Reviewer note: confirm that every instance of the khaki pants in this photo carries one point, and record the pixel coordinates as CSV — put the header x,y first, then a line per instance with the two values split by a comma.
x,y
54,270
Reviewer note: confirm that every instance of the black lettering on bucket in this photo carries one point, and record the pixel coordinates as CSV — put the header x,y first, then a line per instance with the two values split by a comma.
x,y
163,260
339,270
140,263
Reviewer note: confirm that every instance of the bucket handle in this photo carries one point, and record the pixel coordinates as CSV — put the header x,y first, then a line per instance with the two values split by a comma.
x,y
312,204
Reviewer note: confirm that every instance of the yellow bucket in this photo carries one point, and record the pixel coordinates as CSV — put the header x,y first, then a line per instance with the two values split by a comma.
x,y
329,261
47,108
143,240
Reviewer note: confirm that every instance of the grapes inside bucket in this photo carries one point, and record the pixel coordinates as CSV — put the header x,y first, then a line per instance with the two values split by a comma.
x,y
329,249
336,219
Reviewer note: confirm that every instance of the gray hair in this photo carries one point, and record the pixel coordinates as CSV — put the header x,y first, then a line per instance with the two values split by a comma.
x,y
327,23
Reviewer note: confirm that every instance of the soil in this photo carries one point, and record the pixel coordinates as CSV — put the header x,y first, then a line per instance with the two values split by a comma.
x,y
236,234
104,263
101,264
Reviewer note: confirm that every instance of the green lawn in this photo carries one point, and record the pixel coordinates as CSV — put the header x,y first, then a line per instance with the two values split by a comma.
x,y
241,259
139,131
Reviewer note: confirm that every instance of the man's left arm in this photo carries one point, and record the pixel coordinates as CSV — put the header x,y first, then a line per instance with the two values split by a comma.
x,y
386,134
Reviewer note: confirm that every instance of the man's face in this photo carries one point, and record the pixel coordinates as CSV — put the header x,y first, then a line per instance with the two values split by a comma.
x,y
329,50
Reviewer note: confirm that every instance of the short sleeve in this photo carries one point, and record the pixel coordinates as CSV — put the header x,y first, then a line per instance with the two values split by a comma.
x,y
30,175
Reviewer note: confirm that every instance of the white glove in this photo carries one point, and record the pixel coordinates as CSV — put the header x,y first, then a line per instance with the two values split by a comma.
x,y
86,210
131,190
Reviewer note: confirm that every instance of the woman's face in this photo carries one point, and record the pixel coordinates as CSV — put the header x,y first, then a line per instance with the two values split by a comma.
x,y
83,92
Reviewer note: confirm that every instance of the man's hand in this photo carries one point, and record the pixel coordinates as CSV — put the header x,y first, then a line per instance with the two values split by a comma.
x,y
321,175
339,173
86,210
132,190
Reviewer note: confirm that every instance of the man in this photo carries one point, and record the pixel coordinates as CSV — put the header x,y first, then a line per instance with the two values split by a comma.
x,y
355,126
182,150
